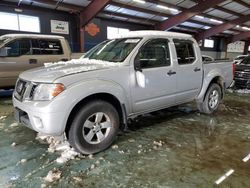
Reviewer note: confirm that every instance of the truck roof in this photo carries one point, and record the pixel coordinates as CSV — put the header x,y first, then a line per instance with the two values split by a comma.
x,y
144,33
32,36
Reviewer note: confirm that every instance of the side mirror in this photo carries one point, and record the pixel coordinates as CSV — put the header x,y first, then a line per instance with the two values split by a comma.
x,y
140,78
137,63
3,52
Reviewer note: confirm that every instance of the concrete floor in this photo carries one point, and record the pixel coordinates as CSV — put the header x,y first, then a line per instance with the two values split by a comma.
x,y
177,147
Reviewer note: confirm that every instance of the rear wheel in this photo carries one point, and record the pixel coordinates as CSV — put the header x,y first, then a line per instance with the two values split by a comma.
x,y
94,127
212,99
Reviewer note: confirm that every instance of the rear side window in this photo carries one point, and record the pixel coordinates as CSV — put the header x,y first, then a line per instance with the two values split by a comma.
x,y
155,53
185,51
18,48
50,47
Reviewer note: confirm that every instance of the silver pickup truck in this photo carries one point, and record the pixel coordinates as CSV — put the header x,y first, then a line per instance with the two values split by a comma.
x,y
119,79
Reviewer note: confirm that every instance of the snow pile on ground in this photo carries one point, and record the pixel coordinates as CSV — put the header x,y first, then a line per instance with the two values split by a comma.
x,y
84,61
53,175
60,144
2,117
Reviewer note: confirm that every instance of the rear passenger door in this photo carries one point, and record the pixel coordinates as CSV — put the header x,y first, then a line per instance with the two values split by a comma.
x,y
160,76
189,70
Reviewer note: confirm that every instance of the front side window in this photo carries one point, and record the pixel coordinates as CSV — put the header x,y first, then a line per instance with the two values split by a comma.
x,y
184,51
115,50
155,53
18,48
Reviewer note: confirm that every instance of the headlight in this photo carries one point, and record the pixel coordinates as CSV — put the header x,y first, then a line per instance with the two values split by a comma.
x,y
46,92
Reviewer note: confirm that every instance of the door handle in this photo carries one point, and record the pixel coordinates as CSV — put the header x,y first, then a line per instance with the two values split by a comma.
x,y
33,61
197,69
170,73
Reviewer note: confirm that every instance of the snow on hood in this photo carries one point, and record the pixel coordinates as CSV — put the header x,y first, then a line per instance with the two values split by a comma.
x,y
51,71
93,64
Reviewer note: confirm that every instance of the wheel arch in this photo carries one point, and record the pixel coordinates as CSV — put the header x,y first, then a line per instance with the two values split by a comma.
x,y
98,96
207,83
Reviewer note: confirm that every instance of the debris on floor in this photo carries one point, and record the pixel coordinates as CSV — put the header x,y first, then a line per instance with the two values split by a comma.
x,y
2,117
115,147
53,175
13,144
60,144
14,125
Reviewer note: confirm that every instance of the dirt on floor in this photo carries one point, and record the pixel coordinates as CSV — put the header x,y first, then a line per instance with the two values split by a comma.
x,y
176,147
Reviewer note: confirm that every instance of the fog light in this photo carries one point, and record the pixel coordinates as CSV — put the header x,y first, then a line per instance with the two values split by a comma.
x,y
38,122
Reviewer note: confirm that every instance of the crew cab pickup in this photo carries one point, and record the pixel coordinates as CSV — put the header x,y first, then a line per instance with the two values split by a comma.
x,y
20,52
119,79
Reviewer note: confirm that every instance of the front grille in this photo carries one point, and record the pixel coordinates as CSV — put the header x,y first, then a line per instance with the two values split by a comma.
x,y
24,90
242,74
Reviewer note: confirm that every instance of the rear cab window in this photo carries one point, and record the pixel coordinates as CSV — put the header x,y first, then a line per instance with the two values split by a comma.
x,y
184,51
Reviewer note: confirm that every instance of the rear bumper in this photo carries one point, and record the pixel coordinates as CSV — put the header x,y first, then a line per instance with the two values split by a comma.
x,y
35,116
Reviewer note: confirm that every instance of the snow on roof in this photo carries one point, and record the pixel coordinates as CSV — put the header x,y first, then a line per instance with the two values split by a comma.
x,y
144,33
32,36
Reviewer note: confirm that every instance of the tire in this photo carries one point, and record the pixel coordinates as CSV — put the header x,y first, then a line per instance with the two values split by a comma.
x,y
94,127
212,99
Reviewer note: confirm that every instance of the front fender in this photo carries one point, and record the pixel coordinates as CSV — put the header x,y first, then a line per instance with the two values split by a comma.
x,y
68,99
207,81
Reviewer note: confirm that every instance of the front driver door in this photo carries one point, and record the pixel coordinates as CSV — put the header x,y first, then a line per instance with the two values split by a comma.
x,y
160,76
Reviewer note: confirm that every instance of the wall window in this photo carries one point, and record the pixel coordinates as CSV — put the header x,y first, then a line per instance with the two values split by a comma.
x,y
19,22
185,51
208,43
113,32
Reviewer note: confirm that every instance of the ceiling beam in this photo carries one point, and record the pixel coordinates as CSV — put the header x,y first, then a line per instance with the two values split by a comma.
x,y
92,10
73,8
187,14
222,27
241,36
143,20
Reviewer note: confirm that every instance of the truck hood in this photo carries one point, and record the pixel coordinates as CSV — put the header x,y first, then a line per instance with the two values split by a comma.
x,y
243,67
52,71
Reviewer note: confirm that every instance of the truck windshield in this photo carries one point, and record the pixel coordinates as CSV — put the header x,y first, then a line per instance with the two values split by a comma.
x,y
115,50
3,40
246,61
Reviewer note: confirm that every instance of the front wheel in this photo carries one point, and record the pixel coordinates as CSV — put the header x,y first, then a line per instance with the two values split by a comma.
x,y
94,127
212,99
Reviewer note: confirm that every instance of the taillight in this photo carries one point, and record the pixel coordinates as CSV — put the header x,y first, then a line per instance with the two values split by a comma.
x,y
234,69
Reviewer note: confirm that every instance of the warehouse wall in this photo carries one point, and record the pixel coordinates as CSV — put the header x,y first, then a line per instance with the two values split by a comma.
x,y
45,16
96,30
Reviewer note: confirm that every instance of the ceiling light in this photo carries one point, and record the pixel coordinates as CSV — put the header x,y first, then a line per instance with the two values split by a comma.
x,y
139,1
217,21
200,17
237,26
246,28
207,27
167,8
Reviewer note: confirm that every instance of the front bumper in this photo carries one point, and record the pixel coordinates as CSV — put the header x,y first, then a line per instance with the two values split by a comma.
x,y
242,83
39,117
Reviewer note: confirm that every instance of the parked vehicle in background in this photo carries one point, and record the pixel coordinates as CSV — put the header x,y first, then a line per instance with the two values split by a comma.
x,y
206,58
239,58
20,52
242,74
119,79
